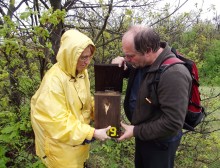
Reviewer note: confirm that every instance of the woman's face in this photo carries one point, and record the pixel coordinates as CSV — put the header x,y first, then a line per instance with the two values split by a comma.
x,y
84,59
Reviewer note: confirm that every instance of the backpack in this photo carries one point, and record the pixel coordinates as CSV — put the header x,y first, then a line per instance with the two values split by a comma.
x,y
196,112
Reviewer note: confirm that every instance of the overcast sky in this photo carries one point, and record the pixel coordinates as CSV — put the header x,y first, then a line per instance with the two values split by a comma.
x,y
188,6
204,4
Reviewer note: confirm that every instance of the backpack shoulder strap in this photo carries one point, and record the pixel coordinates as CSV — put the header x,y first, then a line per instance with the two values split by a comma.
x,y
166,64
169,62
163,67
172,60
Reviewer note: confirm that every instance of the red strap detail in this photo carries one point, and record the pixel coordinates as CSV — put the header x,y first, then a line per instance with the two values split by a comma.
x,y
171,60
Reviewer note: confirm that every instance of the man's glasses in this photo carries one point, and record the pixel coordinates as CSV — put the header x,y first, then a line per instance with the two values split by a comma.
x,y
129,56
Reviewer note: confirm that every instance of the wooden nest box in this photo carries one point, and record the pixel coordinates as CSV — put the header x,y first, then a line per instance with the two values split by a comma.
x,y
108,88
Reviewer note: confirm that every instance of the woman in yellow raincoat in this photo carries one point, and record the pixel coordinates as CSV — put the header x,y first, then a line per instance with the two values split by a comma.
x,y
61,108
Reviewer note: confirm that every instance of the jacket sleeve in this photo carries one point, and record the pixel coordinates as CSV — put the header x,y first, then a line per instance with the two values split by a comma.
x,y
53,116
173,95
93,108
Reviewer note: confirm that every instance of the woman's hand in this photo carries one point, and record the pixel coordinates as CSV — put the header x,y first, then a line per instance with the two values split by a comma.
x,y
101,134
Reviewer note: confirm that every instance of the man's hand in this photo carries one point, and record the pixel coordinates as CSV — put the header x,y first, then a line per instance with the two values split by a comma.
x,y
101,134
120,61
128,132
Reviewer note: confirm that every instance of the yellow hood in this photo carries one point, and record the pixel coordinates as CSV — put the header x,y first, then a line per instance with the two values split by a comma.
x,y
72,45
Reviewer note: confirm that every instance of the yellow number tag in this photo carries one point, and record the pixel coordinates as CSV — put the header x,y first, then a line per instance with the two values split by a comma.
x,y
112,132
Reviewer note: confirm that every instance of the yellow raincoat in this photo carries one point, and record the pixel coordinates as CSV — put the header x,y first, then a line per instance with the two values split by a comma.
x,y
61,108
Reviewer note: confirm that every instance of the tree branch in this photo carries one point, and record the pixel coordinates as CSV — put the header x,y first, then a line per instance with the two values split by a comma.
x,y
105,23
43,2
170,13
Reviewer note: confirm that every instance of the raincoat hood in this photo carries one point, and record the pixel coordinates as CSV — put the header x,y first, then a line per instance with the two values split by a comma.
x,y
72,45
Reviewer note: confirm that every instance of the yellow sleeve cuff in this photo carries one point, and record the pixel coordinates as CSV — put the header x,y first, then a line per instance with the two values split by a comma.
x,y
91,133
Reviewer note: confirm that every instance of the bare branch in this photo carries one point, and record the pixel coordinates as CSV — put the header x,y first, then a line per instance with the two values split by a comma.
x,y
2,12
55,4
69,4
43,2
36,7
105,22
169,14
211,97
19,5
109,41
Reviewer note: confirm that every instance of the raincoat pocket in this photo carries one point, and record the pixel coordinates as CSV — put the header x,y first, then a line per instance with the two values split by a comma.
x,y
48,159
59,155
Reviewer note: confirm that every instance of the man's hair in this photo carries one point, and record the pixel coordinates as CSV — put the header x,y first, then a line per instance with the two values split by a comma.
x,y
145,39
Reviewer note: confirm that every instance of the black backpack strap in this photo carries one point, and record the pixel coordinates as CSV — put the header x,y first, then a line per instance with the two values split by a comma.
x,y
167,63
170,61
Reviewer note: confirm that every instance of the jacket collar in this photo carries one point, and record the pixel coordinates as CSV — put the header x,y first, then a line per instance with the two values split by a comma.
x,y
166,53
